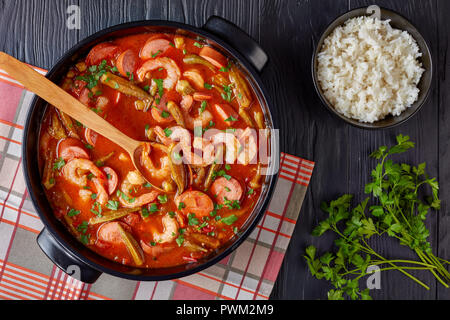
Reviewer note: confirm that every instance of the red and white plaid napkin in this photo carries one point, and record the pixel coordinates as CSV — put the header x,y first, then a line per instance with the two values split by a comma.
x,y
26,273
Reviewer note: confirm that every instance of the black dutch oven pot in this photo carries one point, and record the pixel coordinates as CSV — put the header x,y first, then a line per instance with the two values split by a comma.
x,y
56,242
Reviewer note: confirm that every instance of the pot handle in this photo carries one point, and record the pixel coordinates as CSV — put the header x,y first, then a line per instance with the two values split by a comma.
x,y
237,38
64,260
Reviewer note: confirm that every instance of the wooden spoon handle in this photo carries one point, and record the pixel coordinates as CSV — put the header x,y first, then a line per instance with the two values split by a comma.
x,y
59,98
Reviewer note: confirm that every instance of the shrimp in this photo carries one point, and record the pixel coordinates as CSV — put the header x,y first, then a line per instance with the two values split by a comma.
x,y
134,178
170,230
173,72
183,136
231,142
76,171
202,120
184,118
157,173
249,148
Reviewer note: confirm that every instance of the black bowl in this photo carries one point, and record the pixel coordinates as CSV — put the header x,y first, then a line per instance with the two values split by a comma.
x,y
397,22
56,242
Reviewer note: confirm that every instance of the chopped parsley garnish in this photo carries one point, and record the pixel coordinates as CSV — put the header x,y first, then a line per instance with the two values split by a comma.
x,y
147,185
167,132
184,51
73,212
99,163
227,94
192,220
204,224
146,88
145,212
85,239
208,86
250,191
226,69
93,196
159,83
227,167
112,205
229,220
82,227
181,205
94,73
88,146
231,119
227,189
162,198
156,53
165,114
97,212
232,204
180,240
198,45
171,214
59,163
203,106
221,173
209,126
125,197
153,208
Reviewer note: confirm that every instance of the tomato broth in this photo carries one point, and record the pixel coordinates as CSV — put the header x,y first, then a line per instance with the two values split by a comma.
x,y
154,87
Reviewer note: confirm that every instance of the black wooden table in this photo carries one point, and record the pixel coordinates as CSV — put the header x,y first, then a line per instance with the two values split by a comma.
x,y
35,32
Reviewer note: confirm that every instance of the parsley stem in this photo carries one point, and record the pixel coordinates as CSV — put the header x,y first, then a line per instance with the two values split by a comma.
x,y
403,216
402,271
369,250
376,262
443,260
440,267
424,258
394,268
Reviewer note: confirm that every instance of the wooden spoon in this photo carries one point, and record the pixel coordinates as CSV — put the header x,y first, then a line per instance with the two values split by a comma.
x,y
50,92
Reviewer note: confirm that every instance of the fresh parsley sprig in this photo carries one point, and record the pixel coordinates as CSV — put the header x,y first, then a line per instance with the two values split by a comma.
x,y
398,211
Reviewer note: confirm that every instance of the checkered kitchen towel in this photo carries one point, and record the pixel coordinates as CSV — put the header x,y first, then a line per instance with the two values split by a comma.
x,y
26,273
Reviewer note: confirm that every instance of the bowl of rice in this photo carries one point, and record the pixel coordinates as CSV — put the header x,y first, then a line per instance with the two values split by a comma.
x,y
372,71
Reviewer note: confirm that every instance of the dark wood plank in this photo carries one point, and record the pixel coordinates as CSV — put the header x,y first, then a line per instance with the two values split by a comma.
x,y
35,31
196,13
289,30
443,69
99,14
423,130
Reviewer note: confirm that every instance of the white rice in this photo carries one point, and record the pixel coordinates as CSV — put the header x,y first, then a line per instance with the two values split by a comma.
x,y
369,70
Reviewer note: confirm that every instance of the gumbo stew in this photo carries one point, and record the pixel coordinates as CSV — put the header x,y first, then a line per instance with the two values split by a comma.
x,y
195,108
